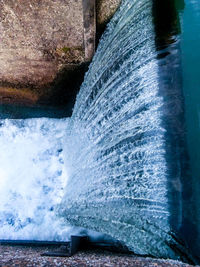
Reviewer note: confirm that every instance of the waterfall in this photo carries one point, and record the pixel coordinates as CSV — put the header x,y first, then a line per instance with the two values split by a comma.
x,y
119,165
126,139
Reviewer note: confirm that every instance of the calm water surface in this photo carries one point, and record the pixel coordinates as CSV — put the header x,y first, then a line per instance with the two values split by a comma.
x,y
190,53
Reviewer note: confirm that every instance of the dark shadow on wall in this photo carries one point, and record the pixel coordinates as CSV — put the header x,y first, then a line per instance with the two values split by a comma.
x,y
64,88
104,12
57,101
168,30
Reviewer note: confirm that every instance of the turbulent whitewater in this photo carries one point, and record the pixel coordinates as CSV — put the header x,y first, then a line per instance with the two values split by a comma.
x,y
32,179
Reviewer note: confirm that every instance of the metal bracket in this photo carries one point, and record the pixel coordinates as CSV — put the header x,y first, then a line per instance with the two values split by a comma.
x,y
69,248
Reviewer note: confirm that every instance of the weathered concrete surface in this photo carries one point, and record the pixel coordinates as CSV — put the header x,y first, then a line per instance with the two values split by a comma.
x,y
44,45
37,39
31,256
105,11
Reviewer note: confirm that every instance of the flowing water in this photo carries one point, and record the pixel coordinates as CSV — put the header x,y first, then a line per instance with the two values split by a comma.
x,y
120,165
32,179
127,169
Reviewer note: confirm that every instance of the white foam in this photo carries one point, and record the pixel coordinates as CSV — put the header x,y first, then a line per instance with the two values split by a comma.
x,y
32,178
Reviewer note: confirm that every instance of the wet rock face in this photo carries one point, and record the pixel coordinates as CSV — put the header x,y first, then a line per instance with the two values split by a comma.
x,y
37,39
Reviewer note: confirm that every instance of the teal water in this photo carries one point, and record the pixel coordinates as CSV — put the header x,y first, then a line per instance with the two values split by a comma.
x,y
22,112
190,55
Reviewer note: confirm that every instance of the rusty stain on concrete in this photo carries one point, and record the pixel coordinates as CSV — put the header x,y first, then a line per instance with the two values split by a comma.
x,y
21,96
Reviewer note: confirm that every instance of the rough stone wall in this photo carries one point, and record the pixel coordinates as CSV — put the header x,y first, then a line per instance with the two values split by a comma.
x,y
37,38
105,10
41,45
